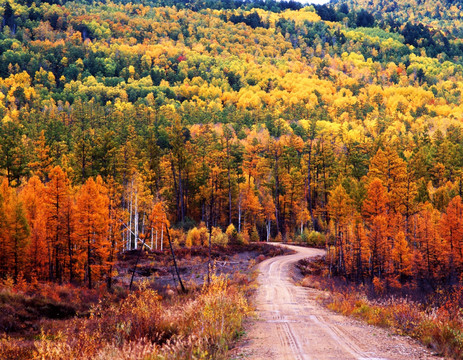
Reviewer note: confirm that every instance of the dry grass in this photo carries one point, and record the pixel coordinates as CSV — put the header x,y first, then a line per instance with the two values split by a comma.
x,y
198,325
51,321
437,321
437,328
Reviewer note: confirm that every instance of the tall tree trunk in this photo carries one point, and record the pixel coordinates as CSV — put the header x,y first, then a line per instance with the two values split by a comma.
x,y
309,186
89,256
211,210
277,197
239,216
229,184
268,230
135,231
180,187
174,260
174,177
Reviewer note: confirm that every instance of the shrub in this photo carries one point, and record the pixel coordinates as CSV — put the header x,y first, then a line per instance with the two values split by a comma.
x,y
177,236
218,237
197,237
232,234
243,238
199,325
316,239
254,235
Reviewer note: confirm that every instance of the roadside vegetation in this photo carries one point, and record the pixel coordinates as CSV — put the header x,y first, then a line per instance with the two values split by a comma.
x,y
154,321
434,318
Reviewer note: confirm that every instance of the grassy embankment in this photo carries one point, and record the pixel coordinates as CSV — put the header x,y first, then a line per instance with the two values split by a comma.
x,y
435,319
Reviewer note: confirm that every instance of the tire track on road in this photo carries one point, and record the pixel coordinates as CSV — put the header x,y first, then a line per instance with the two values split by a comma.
x,y
294,326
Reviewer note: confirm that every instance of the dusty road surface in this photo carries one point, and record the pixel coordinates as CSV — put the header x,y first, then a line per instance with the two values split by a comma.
x,y
292,325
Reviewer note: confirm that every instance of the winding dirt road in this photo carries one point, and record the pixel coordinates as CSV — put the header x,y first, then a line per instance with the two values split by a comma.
x,y
292,325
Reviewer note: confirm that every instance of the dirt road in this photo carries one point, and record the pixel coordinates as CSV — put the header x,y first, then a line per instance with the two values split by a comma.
x,y
292,325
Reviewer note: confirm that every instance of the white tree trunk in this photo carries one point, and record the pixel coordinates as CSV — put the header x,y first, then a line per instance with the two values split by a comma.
x,y
151,238
129,235
268,230
136,220
239,217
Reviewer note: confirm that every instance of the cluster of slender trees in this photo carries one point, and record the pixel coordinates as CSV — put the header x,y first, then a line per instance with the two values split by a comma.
x,y
391,237
54,231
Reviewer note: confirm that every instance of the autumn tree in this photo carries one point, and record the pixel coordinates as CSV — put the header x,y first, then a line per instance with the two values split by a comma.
x,y
15,229
57,194
92,223
376,221
339,207
32,195
452,233
43,161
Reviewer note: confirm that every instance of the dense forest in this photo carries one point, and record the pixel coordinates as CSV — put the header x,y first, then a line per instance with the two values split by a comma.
x,y
337,125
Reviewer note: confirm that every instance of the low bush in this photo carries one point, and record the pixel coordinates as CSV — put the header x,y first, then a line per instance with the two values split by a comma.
x,y
316,239
198,325
435,320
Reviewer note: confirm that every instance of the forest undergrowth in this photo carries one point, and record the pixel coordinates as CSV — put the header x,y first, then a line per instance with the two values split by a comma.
x,y
143,325
432,317
52,321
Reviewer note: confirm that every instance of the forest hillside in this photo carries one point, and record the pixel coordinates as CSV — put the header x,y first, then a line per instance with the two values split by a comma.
x,y
124,126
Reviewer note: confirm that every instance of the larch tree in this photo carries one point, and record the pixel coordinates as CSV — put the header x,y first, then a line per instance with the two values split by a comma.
x,y
57,194
452,232
92,224
43,161
15,232
19,231
387,166
376,221
339,208
429,244
402,256
32,195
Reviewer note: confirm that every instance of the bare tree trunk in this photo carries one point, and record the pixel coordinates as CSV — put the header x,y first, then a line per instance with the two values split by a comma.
x,y
268,230
180,187
162,237
309,186
136,221
239,216
229,184
129,243
210,232
175,261
277,196
152,238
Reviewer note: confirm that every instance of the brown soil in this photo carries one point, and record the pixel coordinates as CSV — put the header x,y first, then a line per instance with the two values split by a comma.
x,y
291,324
157,267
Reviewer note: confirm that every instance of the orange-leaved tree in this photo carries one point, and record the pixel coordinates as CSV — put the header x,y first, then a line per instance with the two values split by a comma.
x,y
57,193
91,230
376,222
452,232
32,195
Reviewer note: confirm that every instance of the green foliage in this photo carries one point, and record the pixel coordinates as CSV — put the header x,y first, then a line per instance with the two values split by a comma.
x,y
314,238
254,235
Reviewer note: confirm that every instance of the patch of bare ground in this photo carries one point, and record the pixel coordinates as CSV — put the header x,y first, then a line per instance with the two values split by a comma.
x,y
157,266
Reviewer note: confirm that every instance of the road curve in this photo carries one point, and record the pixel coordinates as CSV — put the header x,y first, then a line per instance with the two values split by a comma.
x,y
292,325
